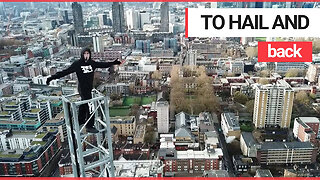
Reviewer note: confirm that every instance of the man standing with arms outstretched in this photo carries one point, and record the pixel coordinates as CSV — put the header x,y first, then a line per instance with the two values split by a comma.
x,y
84,68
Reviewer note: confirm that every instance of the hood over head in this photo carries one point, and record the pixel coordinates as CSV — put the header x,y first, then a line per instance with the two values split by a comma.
x,y
82,53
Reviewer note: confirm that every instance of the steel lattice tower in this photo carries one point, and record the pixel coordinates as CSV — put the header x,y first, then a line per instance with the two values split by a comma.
x,y
80,148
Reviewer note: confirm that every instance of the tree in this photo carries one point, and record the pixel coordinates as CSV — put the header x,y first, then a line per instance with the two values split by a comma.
x,y
265,73
134,110
96,81
240,97
115,97
156,75
263,81
131,88
246,127
302,98
228,74
174,74
292,72
250,106
177,97
252,52
312,96
187,71
205,97
148,138
316,46
201,70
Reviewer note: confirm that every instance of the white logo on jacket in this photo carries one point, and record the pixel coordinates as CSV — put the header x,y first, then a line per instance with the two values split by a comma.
x,y
86,69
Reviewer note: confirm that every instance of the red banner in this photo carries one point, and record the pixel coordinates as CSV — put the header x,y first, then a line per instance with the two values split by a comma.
x,y
284,51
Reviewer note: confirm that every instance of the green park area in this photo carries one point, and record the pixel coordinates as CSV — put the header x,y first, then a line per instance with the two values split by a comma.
x,y
143,100
128,102
264,39
119,111
261,38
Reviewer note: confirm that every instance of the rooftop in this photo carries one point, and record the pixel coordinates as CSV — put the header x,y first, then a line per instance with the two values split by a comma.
x,y
36,110
11,154
11,122
286,145
123,119
183,132
59,117
11,103
263,173
38,142
29,118
140,131
191,154
309,119
4,113
216,173
41,135
248,138
232,121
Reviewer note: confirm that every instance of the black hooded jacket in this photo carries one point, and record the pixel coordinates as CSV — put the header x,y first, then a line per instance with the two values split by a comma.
x,y
85,72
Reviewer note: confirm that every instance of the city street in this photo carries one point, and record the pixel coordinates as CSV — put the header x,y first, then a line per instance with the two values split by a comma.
x,y
228,165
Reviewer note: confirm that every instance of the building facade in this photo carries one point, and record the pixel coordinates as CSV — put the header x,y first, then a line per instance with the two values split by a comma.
x,y
33,160
272,153
163,116
164,14
118,21
273,105
230,125
126,125
306,128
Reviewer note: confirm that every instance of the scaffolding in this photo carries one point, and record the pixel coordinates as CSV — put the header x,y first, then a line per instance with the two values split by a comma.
x,y
101,161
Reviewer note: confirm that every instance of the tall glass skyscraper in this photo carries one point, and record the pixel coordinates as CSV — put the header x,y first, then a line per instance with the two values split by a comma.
x,y
164,14
77,17
118,23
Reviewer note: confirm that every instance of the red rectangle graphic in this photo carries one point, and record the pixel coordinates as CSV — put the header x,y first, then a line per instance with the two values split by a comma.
x,y
284,51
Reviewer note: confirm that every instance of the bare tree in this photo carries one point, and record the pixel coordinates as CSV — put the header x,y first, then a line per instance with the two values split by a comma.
x,y
302,97
293,72
252,52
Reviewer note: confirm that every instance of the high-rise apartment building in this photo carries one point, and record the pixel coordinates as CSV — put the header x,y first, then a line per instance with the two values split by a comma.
x,y
273,105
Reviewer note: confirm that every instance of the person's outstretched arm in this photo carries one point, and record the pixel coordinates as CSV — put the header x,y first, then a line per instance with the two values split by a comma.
x,y
69,70
107,64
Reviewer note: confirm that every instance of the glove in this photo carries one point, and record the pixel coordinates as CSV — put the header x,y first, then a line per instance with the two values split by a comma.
x,y
48,80
117,62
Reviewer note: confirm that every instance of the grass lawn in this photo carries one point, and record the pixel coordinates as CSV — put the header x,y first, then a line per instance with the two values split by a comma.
x,y
264,39
279,39
261,38
129,101
10,155
38,142
41,135
119,111
148,100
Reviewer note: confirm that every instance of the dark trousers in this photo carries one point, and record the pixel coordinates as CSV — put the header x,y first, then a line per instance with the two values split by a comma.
x,y
84,112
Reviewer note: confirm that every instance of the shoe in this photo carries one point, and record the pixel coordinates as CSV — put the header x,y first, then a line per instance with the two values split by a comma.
x,y
91,130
